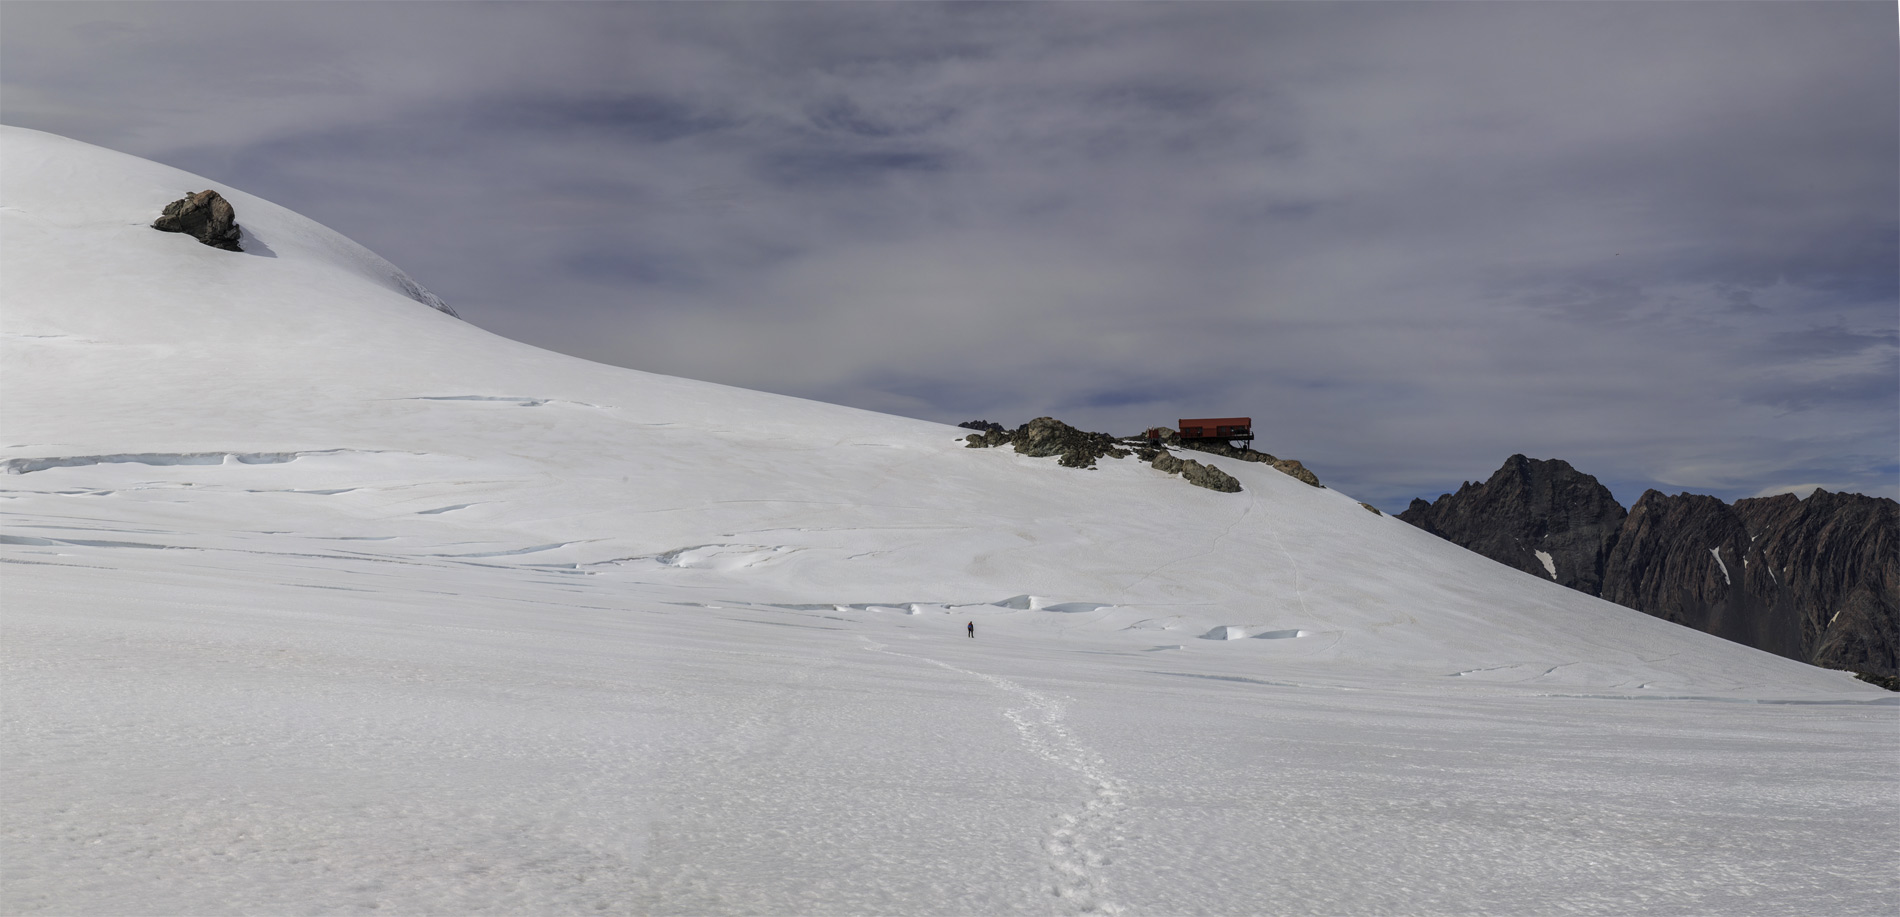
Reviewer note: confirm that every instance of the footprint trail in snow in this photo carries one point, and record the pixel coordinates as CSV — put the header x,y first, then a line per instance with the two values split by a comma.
x,y
1076,840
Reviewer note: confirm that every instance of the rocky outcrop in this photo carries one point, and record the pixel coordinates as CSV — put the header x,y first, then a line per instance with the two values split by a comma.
x,y
1195,473
1832,562
1681,559
1285,466
1216,447
205,216
1046,436
1890,682
1209,476
988,439
415,291
1542,517
1297,471
1816,580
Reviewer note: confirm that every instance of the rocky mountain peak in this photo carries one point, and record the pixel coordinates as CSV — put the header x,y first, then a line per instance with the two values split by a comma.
x,y
1815,579
1543,517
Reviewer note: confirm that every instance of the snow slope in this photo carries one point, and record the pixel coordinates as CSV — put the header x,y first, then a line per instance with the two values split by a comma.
x,y
317,599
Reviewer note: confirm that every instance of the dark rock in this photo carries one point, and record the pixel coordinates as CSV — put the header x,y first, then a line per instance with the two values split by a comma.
x,y
1816,580
988,439
1077,459
1047,436
205,216
1195,473
983,426
1223,449
1681,559
416,292
1831,562
1371,509
1890,682
1209,477
1530,506
1297,470
1227,450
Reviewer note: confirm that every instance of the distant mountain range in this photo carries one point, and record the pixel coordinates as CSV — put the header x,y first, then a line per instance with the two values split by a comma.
x,y
1816,580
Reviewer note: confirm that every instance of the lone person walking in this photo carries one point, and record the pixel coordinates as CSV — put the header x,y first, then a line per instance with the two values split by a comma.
x,y
973,630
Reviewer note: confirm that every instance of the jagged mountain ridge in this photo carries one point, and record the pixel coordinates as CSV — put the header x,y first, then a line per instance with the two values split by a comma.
x,y
1816,580
1527,507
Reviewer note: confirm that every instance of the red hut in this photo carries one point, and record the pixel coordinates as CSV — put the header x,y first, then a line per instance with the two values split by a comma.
x,y
1217,429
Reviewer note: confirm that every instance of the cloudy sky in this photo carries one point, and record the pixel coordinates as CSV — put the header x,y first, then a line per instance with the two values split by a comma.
x,y
1655,240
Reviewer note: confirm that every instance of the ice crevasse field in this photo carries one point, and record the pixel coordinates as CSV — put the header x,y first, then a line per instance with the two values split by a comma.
x,y
320,600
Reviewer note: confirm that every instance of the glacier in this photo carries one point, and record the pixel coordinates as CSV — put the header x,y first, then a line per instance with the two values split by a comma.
x,y
317,599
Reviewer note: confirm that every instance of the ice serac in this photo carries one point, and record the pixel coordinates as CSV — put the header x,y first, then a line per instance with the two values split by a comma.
x,y
1530,506
1816,580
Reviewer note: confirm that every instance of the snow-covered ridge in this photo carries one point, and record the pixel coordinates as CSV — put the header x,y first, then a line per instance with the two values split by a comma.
x,y
57,187
316,599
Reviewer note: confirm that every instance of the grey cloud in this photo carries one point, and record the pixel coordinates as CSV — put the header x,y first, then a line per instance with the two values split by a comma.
x,y
831,167
637,117
1831,341
1658,241
843,113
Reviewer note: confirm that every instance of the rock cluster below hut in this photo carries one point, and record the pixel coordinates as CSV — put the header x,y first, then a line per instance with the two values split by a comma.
x,y
1195,473
1290,467
1047,436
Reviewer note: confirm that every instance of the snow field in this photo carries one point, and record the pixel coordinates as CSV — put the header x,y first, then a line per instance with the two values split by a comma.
x,y
500,746
317,600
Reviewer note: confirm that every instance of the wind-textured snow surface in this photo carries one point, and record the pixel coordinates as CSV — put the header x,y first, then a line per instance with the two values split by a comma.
x,y
318,600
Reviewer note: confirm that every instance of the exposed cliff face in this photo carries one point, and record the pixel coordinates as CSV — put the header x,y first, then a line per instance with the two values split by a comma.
x,y
1684,559
1832,562
1542,517
1816,579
